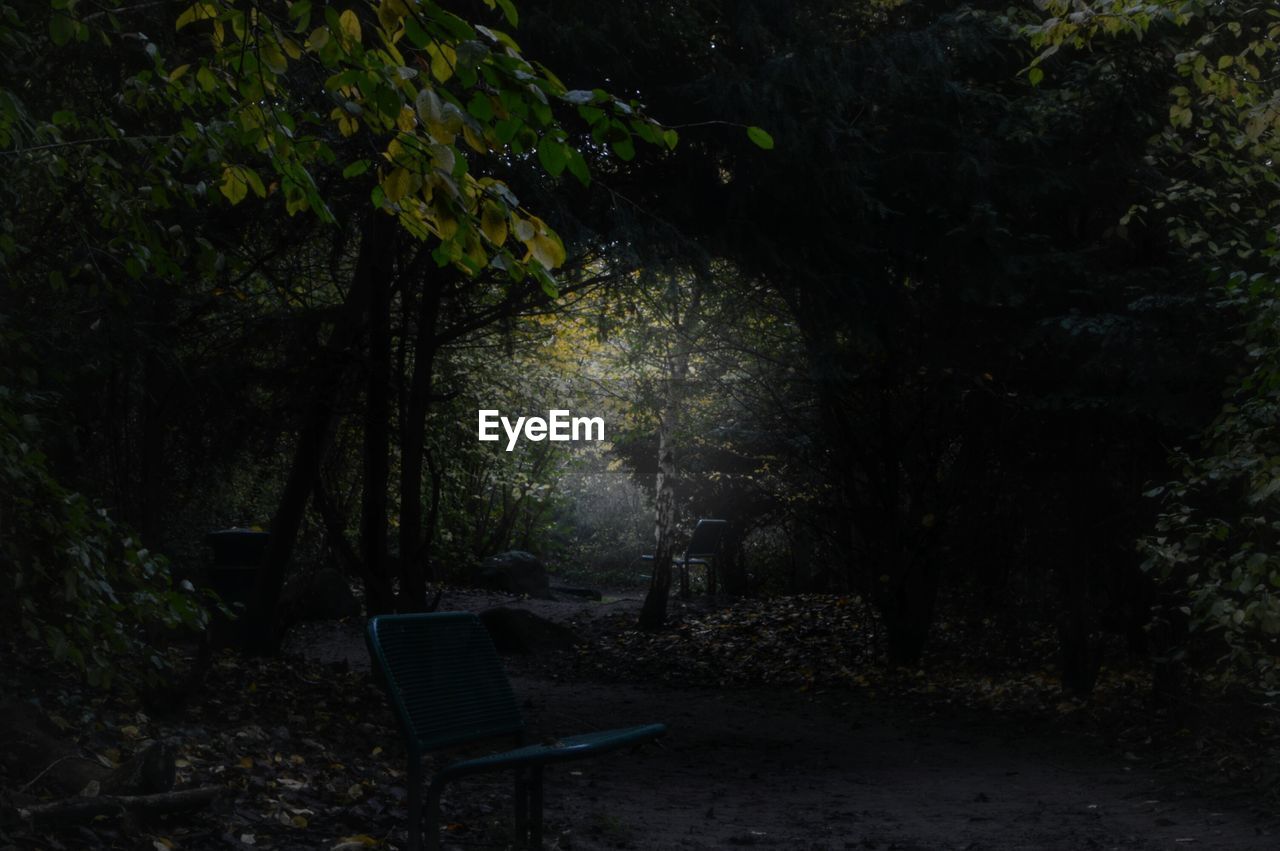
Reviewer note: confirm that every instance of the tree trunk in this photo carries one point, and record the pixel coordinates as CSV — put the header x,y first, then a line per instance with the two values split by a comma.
x,y
653,615
414,538
377,422
908,612
315,431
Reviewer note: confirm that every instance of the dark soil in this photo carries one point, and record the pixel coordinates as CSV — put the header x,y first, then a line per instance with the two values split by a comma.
x,y
774,767
803,745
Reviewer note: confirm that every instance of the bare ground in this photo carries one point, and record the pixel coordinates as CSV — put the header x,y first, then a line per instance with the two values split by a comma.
x,y
839,770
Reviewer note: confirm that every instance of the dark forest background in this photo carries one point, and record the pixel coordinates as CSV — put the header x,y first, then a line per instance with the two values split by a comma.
x,y
962,308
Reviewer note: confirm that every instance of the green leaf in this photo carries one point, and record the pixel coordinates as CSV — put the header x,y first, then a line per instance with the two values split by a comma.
x,y
356,168
625,149
760,138
547,282
552,155
578,167
480,107
1035,75
508,8
61,28
255,182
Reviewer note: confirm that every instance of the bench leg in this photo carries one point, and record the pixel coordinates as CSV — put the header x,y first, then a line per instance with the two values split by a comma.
x,y
432,820
535,808
415,809
522,809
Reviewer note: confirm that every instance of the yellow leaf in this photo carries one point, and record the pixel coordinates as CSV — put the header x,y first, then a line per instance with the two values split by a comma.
x,y
443,58
246,762
178,72
446,224
299,821
405,121
397,185
493,222
475,252
198,12
233,187
273,58
291,48
474,140
547,249
350,25
391,13
318,39
353,843
295,202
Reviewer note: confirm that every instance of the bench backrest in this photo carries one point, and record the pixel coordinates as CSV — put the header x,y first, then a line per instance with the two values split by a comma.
x,y
444,678
706,538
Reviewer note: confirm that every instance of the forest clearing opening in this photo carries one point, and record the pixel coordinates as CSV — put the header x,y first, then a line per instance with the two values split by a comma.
x,y
558,425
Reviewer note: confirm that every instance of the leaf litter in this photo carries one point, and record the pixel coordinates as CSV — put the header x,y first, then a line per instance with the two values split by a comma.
x,y
308,756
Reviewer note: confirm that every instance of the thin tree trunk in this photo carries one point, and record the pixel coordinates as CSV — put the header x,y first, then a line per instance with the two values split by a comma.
x,y
377,421
413,542
653,615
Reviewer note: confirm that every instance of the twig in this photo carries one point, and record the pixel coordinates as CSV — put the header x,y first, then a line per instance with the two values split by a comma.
x,y
80,807
50,766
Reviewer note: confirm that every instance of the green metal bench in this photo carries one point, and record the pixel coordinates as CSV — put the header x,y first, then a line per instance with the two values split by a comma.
x,y
447,687
704,543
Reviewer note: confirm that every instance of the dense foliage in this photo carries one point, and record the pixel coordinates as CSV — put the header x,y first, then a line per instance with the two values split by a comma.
x,y
264,263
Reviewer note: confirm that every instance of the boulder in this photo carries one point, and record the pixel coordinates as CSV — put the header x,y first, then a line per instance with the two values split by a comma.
x,y
516,572
521,631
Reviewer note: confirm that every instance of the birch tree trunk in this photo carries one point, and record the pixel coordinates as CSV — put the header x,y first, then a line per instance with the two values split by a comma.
x,y
653,615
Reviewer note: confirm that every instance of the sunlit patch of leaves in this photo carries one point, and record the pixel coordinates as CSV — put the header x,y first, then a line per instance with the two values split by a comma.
x,y
805,641
822,642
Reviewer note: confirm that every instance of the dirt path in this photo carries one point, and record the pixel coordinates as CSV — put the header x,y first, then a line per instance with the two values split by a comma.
x,y
780,769
776,770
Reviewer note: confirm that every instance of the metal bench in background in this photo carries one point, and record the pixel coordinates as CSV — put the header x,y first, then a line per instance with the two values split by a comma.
x,y
704,544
